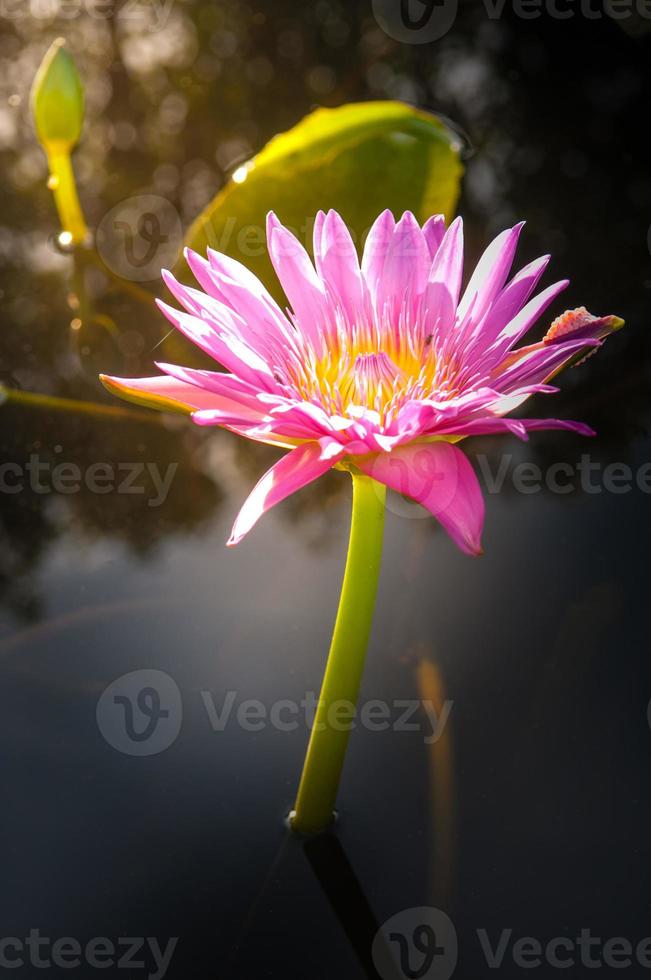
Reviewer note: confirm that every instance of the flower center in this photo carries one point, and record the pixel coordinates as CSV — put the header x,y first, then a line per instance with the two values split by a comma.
x,y
353,373
374,378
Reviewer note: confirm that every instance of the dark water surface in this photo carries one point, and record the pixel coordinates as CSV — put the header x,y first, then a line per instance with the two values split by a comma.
x,y
532,811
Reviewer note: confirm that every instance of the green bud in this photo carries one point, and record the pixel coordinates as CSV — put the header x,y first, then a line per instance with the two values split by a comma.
x,y
58,99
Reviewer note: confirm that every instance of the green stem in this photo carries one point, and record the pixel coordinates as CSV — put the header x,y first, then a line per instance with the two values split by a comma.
x,y
63,186
54,404
326,751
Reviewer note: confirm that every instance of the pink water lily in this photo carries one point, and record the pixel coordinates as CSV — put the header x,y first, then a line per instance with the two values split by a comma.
x,y
381,366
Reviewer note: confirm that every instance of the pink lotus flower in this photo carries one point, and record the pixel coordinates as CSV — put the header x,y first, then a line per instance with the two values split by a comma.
x,y
380,366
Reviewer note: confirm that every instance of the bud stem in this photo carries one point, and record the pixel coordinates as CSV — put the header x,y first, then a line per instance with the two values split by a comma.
x,y
62,183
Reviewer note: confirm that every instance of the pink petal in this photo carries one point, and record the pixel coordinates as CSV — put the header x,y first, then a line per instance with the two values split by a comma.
x,y
490,274
506,403
312,417
238,309
319,221
253,308
429,416
298,468
299,280
171,394
433,232
276,432
202,272
444,284
511,300
227,386
538,363
438,476
194,301
518,427
244,293
338,265
534,425
446,418
220,337
405,269
270,433
525,319
375,250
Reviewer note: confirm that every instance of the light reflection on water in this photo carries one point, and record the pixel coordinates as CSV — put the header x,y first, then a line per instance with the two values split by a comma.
x,y
541,644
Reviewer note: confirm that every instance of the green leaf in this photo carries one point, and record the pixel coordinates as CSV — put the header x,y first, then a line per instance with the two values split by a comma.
x,y
359,159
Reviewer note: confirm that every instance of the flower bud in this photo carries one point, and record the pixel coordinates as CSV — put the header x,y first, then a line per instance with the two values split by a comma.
x,y
57,99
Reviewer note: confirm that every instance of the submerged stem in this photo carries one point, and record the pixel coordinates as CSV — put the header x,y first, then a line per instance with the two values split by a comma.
x,y
329,738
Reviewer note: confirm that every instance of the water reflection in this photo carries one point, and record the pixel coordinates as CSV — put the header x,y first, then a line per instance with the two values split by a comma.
x,y
51,494
327,860
346,896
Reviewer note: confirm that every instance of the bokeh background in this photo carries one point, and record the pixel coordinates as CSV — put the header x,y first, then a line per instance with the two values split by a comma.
x,y
532,811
